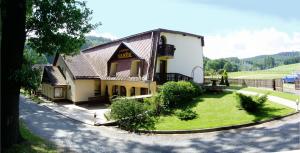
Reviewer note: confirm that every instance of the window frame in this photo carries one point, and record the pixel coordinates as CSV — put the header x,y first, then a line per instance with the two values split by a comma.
x,y
62,92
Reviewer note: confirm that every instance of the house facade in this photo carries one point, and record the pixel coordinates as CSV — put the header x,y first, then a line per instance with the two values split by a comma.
x,y
130,66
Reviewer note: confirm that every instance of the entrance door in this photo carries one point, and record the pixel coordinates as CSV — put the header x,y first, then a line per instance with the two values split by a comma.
x,y
163,71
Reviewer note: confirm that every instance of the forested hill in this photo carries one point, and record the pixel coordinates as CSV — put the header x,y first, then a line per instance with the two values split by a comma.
x,y
233,64
280,58
90,41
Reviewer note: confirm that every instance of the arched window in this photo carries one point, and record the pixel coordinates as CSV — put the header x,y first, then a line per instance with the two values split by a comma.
x,y
132,91
163,40
122,91
115,90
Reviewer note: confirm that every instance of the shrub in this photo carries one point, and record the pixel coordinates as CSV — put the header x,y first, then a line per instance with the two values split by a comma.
x,y
132,114
251,103
186,114
155,104
173,93
222,81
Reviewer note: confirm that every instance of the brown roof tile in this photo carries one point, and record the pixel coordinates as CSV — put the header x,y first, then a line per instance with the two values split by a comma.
x,y
80,67
53,76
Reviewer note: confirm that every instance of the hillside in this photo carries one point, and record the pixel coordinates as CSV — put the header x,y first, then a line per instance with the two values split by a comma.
x,y
276,72
279,58
91,41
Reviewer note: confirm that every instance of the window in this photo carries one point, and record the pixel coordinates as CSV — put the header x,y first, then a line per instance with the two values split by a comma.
x,y
132,91
134,70
113,69
163,40
144,91
122,91
58,92
115,90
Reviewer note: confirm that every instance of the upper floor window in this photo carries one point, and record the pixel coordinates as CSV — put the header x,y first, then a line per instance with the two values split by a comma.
x,y
134,70
113,69
163,40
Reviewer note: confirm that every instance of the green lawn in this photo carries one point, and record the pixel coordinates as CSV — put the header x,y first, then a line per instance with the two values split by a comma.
x,y
32,143
284,95
217,110
276,72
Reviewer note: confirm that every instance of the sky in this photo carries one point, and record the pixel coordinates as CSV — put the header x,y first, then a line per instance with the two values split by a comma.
x,y
231,28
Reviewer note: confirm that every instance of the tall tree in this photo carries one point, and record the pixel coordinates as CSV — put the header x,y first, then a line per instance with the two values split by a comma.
x,y
12,45
52,26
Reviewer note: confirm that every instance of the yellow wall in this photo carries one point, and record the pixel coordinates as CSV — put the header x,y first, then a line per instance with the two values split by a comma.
x,y
48,91
127,84
84,89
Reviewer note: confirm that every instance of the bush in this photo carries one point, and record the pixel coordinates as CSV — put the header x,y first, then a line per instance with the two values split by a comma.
x,y
251,104
132,114
172,94
187,114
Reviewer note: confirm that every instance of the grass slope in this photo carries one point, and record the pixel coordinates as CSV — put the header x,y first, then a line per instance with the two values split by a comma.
x,y
217,110
32,143
276,72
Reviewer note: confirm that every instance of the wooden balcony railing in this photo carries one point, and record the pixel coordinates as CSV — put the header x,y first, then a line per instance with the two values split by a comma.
x,y
166,50
161,78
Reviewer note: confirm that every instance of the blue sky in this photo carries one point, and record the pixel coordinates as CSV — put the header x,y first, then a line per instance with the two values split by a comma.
x,y
239,28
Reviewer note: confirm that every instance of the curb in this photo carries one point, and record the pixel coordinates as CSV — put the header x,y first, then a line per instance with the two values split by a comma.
x,y
213,129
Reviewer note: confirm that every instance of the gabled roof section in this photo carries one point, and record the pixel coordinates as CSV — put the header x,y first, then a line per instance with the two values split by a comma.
x,y
159,30
124,45
53,76
80,67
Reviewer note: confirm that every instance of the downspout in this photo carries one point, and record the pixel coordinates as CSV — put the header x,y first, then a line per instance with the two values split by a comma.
x,y
155,56
150,62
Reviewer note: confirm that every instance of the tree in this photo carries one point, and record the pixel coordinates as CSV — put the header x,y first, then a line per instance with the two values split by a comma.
x,y
269,62
12,45
51,27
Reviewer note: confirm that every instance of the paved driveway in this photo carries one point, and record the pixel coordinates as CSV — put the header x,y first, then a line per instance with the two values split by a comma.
x,y
73,136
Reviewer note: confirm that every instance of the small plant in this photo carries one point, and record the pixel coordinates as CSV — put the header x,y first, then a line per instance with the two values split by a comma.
x,y
187,114
251,103
225,75
222,81
132,114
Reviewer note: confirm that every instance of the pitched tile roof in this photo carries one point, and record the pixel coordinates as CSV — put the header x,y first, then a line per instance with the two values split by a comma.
x,y
80,67
53,76
99,56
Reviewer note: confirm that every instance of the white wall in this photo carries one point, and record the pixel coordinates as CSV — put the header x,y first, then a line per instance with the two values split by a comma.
x,y
188,54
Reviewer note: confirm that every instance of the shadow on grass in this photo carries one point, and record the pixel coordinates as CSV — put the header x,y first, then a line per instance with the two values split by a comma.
x,y
265,113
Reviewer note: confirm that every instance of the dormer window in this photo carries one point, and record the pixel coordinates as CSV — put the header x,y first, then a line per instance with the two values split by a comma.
x,y
135,67
113,69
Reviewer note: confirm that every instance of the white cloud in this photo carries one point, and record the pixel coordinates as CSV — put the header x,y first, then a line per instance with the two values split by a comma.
x,y
103,34
248,43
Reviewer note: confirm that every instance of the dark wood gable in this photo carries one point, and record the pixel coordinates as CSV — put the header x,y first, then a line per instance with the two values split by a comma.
x,y
123,52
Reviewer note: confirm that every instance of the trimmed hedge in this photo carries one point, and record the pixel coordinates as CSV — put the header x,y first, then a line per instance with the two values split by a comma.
x,y
172,94
251,104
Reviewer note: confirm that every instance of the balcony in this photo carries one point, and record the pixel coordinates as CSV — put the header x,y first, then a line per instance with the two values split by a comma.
x,y
162,78
166,51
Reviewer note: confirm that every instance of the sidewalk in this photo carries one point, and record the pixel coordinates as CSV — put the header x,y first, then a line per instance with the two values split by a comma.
x,y
82,113
282,101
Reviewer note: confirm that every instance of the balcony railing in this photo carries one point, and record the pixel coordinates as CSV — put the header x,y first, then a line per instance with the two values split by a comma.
x,y
166,50
161,78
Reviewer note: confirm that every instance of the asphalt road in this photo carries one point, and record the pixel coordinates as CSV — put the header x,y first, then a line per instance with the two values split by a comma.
x,y
73,136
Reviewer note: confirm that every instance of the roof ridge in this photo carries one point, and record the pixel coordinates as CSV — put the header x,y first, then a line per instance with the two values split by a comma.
x,y
143,33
